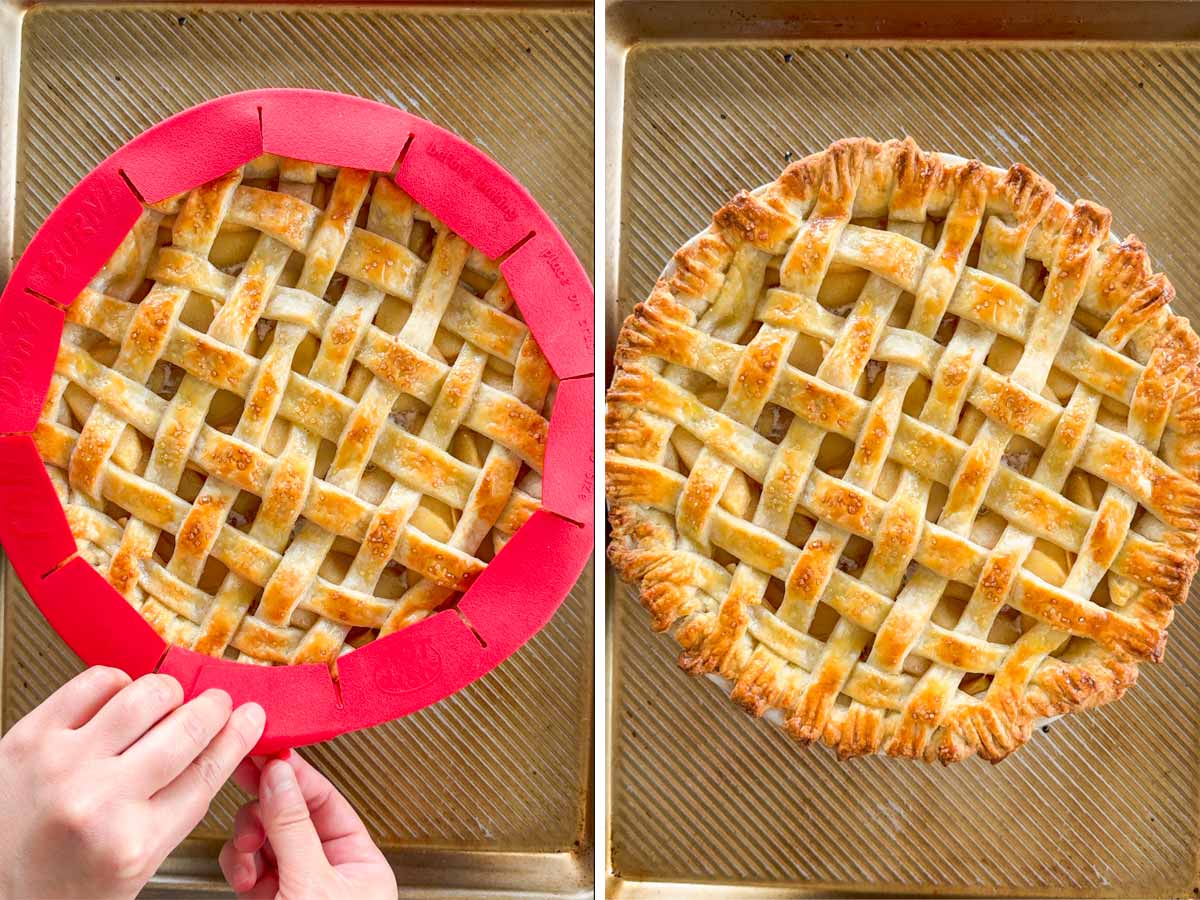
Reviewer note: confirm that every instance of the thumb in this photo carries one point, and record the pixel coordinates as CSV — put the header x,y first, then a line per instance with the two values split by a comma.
x,y
286,821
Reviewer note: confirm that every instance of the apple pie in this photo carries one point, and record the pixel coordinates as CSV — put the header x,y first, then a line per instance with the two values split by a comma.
x,y
294,412
904,447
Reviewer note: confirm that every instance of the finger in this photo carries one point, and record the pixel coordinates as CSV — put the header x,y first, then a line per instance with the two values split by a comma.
x,y
248,834
247,773
169,747
131,712
242,870
285,819
331,814
186,799
74,704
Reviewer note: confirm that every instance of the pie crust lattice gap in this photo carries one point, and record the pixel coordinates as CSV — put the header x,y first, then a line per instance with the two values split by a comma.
x,y
904,446
294,412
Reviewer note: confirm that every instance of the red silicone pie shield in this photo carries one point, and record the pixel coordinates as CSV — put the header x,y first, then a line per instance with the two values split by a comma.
x,y
527,580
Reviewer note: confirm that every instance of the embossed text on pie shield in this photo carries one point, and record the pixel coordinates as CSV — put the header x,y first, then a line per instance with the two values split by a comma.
x,y
421,665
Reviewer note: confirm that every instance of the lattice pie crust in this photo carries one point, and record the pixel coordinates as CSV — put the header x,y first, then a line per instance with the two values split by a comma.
x,y
905,447
294,412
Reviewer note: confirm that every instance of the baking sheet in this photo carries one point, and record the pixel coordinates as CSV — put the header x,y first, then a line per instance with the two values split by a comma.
x,y
708,98
490,790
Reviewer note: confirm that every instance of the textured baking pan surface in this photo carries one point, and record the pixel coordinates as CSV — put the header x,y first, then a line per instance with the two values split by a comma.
x,y
706,99
490,790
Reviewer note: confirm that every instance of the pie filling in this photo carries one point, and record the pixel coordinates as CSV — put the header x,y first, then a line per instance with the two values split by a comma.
x,y
294,412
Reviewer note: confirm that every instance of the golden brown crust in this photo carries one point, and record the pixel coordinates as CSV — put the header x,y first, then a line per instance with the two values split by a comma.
x,y
685,476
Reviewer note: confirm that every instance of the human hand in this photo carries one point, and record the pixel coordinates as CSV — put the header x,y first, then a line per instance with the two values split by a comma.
x,y
300,838
105,778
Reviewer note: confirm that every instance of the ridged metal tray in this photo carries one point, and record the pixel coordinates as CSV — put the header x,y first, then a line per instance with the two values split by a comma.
x,y
489,791
707,98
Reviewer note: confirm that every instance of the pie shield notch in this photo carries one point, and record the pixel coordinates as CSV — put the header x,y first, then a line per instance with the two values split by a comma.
x,y
490,209
524,585
70,593
569,484
301,702
467,189
33,526
556,299
77,238
75,597
29,332
410,669
192,147
313,125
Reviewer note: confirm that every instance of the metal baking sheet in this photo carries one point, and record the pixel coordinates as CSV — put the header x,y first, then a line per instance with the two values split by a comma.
x,y
489,791
707,98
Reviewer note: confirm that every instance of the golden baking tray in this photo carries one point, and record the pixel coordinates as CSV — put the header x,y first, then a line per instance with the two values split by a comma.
x,y
707,98
490,790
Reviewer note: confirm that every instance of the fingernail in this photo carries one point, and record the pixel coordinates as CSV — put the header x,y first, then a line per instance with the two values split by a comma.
x,y
219,695
168,688
252,716
245,877
106,674
277,780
